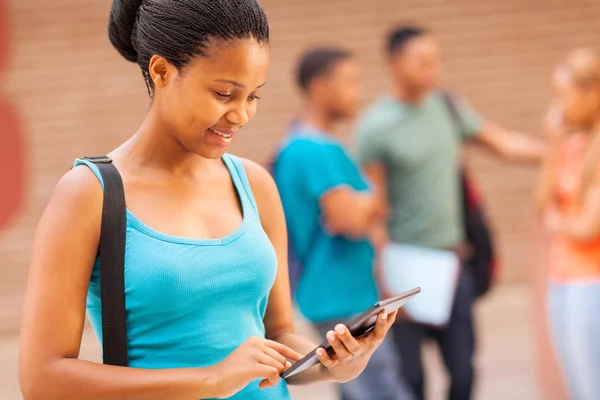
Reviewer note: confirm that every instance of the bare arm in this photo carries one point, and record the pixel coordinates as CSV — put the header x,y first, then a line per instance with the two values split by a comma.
x,y
351,354
379,238
512,146
354,213
585,225
544,193
376,173
279,320
555,133
379,234
64,249
349,212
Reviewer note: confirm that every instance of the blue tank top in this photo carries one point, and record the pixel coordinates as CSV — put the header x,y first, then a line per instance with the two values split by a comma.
x,y
191,302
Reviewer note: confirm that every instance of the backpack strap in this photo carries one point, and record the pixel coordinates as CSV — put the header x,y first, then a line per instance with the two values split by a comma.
x,y
112,264
479,234
453,110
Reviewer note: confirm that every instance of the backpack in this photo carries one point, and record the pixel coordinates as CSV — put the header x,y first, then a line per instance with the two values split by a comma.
x,y
483,261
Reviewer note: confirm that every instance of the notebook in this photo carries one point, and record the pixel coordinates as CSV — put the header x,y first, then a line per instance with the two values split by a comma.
x,y
435,271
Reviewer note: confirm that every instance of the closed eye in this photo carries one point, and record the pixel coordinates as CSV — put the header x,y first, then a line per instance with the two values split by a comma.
x,y
222,95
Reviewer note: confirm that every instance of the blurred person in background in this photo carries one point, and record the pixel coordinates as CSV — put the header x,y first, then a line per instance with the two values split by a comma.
x,y
331,214
569,199
208,306
409,142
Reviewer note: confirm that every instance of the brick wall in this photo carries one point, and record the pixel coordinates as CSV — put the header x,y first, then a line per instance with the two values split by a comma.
x,y
75,96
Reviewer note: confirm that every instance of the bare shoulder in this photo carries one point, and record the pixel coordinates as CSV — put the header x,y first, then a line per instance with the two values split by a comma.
x,y
260,179
76,200
62,258
69,229
264,190
79,184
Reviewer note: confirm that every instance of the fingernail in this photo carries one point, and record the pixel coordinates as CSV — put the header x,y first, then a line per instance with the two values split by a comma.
x,y
384,315
340,329
288,364
331,336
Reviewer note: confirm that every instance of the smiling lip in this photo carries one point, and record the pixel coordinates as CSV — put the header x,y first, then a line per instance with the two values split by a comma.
x,y
224,131
222,137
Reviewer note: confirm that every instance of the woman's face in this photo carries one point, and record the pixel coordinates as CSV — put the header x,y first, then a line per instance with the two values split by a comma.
x,y
579,103
206,104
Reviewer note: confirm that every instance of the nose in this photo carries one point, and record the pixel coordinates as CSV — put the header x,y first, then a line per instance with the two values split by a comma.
x,y
238,115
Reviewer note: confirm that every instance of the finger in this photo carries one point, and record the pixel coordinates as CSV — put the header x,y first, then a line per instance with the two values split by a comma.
x,y
392,318
271,376
265,384
268,361
275,355
381,327
325,359
348,340
285,351
341,351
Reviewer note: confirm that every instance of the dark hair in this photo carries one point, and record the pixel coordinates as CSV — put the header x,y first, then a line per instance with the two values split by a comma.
x,y
318,62
398,37
179,30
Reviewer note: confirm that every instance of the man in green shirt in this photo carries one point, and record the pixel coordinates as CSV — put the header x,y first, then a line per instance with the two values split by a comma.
x,y
410,146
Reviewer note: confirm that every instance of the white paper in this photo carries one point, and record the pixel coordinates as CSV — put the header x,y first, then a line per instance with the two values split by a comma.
x,y
436,272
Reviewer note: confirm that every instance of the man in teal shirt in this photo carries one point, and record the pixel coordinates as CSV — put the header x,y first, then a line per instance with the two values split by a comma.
x,y
330,213
410,144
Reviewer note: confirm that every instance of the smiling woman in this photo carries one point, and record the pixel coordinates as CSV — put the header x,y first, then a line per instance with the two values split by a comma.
x,y
215,95
206,284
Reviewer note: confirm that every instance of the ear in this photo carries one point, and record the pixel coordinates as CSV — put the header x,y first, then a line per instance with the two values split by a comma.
x,y
596,91
319,87
161,71
392,61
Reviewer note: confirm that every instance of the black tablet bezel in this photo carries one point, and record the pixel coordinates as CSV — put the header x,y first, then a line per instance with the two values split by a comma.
x,y
357,326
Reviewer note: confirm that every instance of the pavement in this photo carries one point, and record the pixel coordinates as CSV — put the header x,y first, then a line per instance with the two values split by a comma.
x,y
505,355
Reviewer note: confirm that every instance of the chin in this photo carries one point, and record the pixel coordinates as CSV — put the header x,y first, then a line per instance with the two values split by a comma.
x,y
210,151
211,154
206,148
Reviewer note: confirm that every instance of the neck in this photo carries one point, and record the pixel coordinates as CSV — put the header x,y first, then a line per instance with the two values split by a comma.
x,y
154,146
586,128
405,94
595,126
319,119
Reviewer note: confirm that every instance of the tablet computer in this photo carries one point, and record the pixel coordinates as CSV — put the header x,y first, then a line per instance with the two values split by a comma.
x,y
358,326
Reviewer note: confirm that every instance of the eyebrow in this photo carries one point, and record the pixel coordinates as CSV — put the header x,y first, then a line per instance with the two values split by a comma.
x,y
237,84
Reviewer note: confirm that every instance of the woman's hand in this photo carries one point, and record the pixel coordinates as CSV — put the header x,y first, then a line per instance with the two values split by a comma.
x,y
352,354
553,124
553,220
257,358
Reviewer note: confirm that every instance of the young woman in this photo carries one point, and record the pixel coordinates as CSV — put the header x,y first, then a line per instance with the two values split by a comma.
x,y
208,306
569,198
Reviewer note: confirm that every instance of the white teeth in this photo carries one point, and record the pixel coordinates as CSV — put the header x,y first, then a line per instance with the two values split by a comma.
x,y
223,135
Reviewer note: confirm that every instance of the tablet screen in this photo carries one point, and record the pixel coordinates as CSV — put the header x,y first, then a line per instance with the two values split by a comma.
x,y
358,326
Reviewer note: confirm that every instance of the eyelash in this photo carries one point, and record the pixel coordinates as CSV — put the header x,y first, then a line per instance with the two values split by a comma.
x,y
224,96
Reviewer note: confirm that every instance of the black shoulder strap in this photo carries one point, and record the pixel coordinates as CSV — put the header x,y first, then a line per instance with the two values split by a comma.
x,y
453,110
112,264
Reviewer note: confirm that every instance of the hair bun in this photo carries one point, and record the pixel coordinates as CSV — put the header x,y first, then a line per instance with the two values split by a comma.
x,y
120,27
